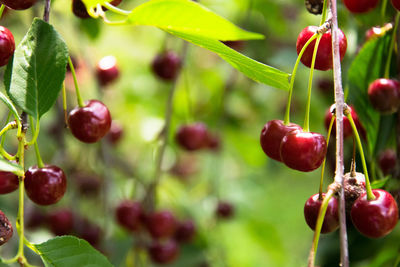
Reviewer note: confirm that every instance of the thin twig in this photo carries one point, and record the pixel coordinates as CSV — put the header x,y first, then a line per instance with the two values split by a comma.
x,y
46,14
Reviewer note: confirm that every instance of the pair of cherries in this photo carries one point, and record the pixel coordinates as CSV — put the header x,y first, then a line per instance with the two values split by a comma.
x,y
299,150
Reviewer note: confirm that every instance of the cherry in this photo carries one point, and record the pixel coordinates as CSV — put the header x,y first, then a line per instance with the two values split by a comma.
x,y
354,187
360,6
331,219
79,8
236,45
375,218
213,141
88,184
396,4
387,161
91,122
61,222
18,4
192,136
314,6
7,45
129,214
326,86
161,224
347,130
303,151
166,65
185,231
6,229
8,182
384,95
272,135
35,218
163,253
107,70
116,132
88,231
45,186
185,166
225,210
323,60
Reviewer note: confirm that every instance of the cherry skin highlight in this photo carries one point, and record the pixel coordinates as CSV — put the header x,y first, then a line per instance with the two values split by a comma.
x,y
384,95
7,45
272,135
375,218
360,6
303,151
90,123
45,186
331,219
324,59
18,4
107,70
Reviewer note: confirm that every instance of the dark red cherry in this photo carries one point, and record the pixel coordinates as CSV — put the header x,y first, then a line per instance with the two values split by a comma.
x,y
91,122
166,65
323,60
185,231
375,218
35,218
360,6
236,45
163,253
384,95
8,182
272,135
61,222
18,4
387,161
303,151
7,45
116,132
331,219
6,229
396,4
129,214
326,86
347,130
192,136
88,231
161,224
225,210
45,186
107,70
89,185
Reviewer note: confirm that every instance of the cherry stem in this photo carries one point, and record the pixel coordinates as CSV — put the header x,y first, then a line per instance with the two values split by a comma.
x,y
339,103
392,42
292,78
383,10
35,133
78,94
328,137
116,9
324,12
370,195
46,11
64,94
332,189
2,7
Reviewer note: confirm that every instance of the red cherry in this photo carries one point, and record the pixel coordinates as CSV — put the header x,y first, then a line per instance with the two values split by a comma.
x,y
323,60
129,214
91,122
384,95
7,45
61,222
303,151
89,185
88,231
225,210
18,4
45,186
331,219
347,130
6,229
161,224
193,136
396,4
107,70
272,135
9,182
166,66
360,6
35,218
387,161
116,132
375,218
163,253
185,231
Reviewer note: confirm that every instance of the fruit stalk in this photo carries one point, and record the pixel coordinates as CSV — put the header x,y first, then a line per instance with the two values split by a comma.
x,y
339,102
46,13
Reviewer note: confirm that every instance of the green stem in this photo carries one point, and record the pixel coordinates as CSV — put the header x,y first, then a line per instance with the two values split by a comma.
x,y
20,217
116,9
9,126
38,157
306,127
392,42
383,10
328,137
370,195
324,12
292,78
2,7
64,94
35,131
78,94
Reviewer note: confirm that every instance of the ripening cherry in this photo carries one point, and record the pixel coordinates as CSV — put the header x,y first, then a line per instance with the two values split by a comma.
x,y
360,6
192,136
107,70
331,219
384,95
166,65
7,45
161,224
18,4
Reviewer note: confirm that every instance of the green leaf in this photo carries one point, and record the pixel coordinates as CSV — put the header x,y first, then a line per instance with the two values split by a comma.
x,y
366,67
34,77
8,166
185,16
9,104
379,183
67,251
